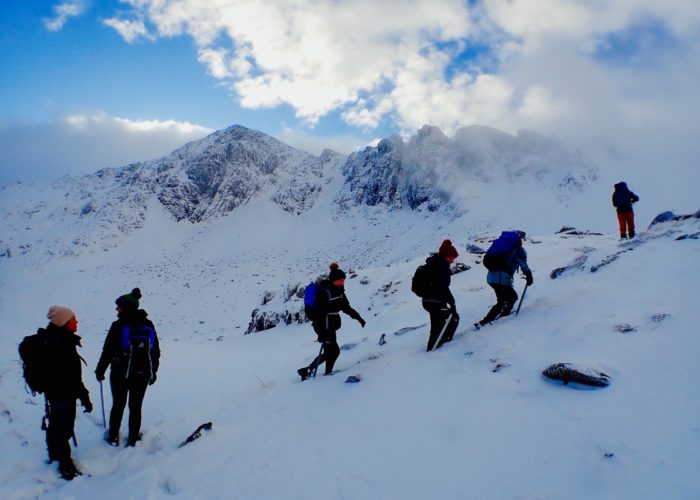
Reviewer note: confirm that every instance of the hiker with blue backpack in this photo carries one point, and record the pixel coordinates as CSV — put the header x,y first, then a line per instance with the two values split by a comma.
x,y
132,350
503,258
622,200
323,308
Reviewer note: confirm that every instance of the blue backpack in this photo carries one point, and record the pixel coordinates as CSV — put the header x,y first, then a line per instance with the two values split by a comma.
x,y
310,298
137,343
500,254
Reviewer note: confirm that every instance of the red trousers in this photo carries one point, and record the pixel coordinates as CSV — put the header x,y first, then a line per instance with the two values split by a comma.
x,y
626,221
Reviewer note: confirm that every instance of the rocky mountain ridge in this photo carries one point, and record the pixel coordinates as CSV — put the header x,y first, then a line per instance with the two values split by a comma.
x,y
209,178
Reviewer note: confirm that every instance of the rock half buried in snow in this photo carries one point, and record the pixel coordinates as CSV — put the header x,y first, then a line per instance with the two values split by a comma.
x,y
566,372
353,379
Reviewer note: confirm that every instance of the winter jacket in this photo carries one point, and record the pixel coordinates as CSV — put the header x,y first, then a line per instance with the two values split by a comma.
x,y
330,300
112,352
63,365
439,292
623,198
505,277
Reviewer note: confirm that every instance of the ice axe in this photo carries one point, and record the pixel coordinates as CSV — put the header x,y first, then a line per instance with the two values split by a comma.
x,y
102,399
522,296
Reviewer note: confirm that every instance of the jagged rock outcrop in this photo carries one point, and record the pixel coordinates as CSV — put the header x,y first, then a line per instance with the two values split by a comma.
x,y
422,173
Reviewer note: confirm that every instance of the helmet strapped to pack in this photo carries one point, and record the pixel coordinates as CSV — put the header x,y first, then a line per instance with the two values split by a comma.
x,y
137,343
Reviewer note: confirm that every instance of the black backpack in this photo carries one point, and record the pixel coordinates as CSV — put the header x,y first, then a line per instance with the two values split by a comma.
x,y
422,281
33,351
137,344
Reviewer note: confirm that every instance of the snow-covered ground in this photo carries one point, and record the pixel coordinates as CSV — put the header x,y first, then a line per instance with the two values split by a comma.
x,y
419,425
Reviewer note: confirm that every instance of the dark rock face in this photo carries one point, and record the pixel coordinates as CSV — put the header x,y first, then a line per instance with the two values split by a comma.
x,y
421,174
212,177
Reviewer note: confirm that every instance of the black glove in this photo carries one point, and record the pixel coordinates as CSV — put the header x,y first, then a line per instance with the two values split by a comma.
x,y
153,379
528,278
362,322
87,404
100,376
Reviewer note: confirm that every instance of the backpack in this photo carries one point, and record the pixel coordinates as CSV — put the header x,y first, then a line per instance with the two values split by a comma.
x,y
310,300
137,343
33,352
422,281
500,254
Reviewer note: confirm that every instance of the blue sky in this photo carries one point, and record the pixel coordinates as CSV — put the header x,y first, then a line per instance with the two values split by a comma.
x,y
132,80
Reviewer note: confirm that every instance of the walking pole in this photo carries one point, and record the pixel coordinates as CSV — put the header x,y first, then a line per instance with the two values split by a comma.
x,y
521,299
320,351
102,399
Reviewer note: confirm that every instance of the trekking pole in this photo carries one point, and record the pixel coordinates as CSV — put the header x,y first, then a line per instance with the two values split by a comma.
x,y
320,351
521,299
102,399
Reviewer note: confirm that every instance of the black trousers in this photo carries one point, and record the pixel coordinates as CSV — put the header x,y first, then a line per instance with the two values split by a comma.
x,y
330,351
441,317
133,389
506,297
60,429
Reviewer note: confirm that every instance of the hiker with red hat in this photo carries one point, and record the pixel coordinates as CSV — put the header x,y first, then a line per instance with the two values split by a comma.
x,y
438,299
52,366
133,352
329,301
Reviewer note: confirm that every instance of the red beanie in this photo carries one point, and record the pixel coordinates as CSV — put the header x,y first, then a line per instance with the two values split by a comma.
x,y
447,250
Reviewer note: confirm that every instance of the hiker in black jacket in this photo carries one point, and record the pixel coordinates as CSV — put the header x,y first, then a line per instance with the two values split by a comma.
x,y
62,385
132,350
622,200
330,301
438,300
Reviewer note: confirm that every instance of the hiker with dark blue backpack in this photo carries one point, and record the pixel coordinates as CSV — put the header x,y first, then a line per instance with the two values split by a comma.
x,y
328,302
503,258
622,200
132,350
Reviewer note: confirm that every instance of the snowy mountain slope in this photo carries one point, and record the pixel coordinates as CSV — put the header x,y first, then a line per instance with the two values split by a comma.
x,y
419,425
211,178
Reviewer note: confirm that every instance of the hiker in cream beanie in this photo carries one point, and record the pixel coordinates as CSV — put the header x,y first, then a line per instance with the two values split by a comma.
x,y
59,315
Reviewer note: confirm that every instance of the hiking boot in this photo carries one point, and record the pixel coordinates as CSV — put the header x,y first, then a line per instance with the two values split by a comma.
x,y
112,440
131,441
68,470
303,373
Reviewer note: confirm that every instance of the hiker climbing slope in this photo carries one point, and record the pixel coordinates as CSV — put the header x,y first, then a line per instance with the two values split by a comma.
x,y
329,301
503,258
437,298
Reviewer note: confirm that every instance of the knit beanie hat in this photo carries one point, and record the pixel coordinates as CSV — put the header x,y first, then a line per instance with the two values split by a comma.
x,y
130,301
59,315
336,273
447,250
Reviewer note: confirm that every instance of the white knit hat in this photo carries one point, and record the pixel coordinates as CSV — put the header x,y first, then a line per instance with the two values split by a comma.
x,y
59,315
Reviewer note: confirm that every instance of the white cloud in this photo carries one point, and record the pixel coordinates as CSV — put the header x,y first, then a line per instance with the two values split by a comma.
x,y
83,143
130,30
343,144
396,59
62,12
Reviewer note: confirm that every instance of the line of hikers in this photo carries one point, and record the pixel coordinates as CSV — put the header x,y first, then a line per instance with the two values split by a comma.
x,y
52,366
431,282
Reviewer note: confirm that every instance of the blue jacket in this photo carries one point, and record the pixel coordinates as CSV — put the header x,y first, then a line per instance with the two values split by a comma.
x,y
518,261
